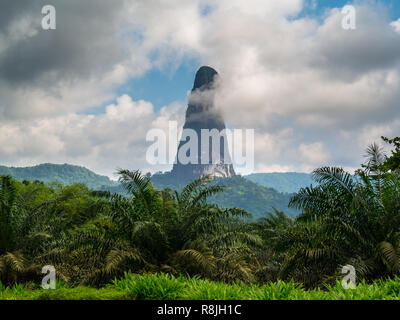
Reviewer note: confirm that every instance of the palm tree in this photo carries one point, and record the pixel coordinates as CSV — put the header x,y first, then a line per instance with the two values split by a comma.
x,y
180,231
21,232
269,260
346,220
151,230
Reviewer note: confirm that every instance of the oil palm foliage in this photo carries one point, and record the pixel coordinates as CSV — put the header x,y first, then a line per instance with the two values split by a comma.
x,y
157,230
22,231
179,229
346,219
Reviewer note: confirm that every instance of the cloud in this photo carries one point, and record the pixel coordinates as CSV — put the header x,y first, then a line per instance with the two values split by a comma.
x,y
116,138
396,25
314,154
313,92
315,79
73,68
313,72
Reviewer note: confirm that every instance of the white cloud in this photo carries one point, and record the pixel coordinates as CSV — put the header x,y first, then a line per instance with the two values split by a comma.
x,y
396,25
116,138
313,154
295,80
273,168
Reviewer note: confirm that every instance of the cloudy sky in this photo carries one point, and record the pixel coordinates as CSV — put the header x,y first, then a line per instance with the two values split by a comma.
x,y
88,92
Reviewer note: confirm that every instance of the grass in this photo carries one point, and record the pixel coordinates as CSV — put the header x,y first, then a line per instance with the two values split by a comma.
x,y
167,287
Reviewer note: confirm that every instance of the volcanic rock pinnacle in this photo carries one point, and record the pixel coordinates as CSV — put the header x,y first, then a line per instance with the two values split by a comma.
x,y
201,114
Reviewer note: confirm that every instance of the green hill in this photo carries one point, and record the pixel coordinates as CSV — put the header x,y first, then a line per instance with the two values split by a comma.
x,y
62,173
251,197
240,192
288,182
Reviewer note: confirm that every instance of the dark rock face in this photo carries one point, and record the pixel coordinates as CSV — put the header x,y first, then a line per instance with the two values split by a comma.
x,y
201,114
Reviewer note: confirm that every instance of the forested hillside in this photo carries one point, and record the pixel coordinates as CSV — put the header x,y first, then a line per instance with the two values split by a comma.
x,y
239,192
94,237
65,174
256,199
288,182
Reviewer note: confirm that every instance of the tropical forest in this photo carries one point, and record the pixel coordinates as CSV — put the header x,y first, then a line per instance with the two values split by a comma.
x,y
167,244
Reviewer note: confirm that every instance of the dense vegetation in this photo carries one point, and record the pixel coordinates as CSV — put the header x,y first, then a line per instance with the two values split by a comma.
x,y
239,192
167,287
242,193
65,174
94,237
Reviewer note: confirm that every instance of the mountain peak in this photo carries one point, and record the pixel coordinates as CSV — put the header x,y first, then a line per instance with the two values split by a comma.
x,y
201,114
204,78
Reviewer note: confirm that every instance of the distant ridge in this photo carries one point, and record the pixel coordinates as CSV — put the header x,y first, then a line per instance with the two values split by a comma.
x,y
256,193
65,174
240,192
287,182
